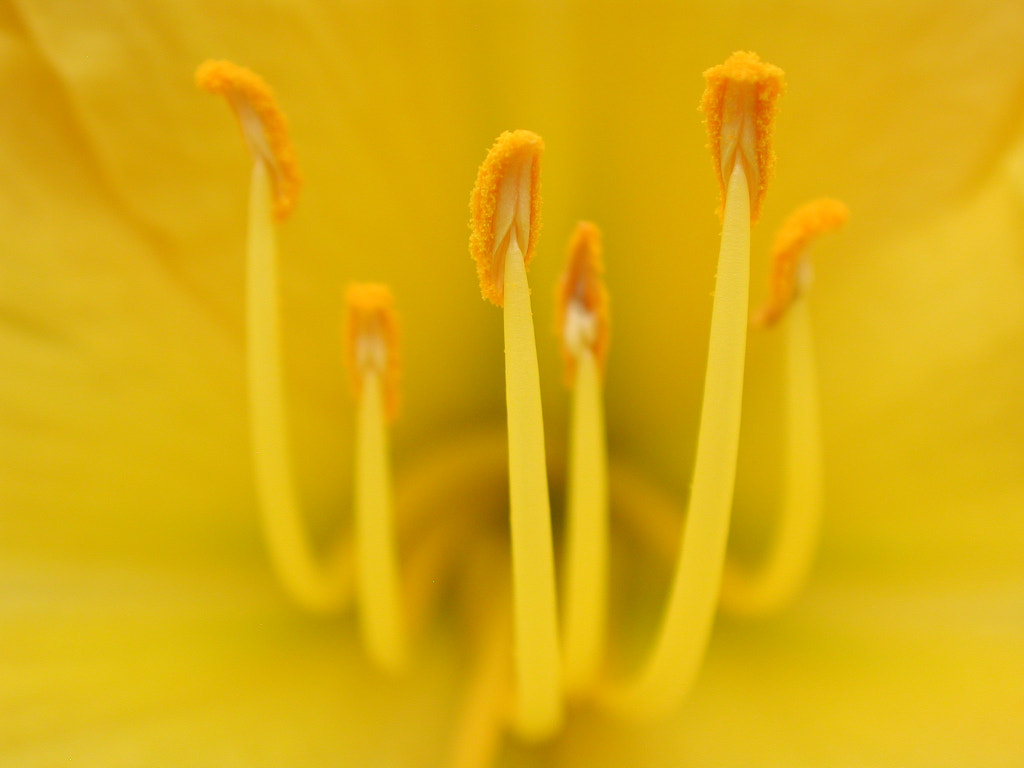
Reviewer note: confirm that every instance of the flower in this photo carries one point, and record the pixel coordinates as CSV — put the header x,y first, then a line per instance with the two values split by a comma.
x,y
141,624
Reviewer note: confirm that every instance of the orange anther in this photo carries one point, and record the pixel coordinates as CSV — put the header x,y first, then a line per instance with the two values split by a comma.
x,y
264,126
371,326
505,204
740,103
581,306
805,224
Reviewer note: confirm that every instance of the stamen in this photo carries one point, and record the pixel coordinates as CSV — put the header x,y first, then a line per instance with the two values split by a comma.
x,y
263,124
740,103
373,351
789,267
670,671
791,554
582,312
316,588
505,208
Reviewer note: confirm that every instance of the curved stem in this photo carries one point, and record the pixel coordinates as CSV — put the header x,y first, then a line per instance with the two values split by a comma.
x,y
679,649
315,587
792,551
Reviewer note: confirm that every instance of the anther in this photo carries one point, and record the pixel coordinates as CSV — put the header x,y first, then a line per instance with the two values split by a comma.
x,y
371,327
505,205
581,305
740,103
790,267
263,124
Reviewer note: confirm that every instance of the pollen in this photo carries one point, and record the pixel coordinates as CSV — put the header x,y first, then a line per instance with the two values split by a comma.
x,y
264,126
581,300
505,207
789,273
739,104
371,328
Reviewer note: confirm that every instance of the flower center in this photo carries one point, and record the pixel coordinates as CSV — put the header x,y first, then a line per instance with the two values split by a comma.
x,y
526,667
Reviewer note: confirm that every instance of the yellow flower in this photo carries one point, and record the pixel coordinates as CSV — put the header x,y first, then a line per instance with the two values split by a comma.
x,y
140,622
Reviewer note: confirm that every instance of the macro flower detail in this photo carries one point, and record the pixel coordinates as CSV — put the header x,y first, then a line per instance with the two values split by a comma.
x,y
223,543
739,104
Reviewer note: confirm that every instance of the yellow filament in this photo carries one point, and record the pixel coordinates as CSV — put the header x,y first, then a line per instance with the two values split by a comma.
x,y
380,617
319,589
537,662
274,187
792,551
587,537
670,671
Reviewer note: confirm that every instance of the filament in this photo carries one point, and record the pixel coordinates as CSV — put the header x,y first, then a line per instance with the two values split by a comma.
x,y
381,620
792,550
318,588
669,672
586,589
538,665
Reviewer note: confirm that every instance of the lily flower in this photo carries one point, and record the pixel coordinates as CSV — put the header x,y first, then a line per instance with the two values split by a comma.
x,y
141,619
